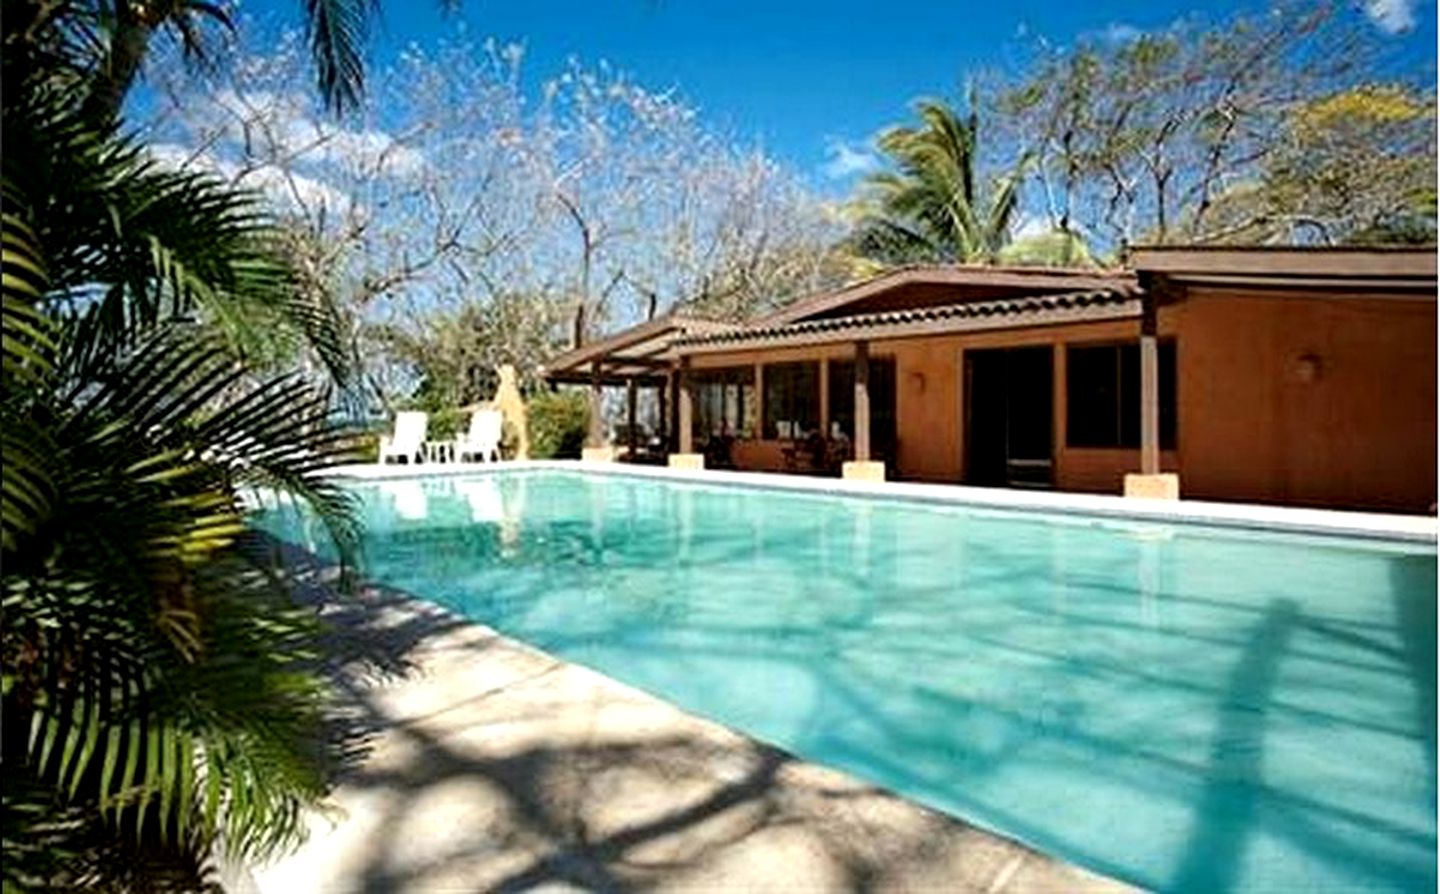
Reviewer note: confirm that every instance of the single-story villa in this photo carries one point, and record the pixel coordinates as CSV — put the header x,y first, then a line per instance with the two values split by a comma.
x,y
1302,376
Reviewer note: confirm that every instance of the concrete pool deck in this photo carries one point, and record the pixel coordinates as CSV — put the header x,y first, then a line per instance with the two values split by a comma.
x,y
478,763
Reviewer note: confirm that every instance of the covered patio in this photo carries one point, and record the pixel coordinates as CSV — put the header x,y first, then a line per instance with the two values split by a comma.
x,y
641,356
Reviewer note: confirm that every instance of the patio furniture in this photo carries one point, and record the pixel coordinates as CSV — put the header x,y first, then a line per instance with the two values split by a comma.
x,y
649,448
439,451
717,452
816,454
483,438
408,440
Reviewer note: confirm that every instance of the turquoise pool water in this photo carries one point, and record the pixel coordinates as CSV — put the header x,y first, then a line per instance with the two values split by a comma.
x,y
1186,708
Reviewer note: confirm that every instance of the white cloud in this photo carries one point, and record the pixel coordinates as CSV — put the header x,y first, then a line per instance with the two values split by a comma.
x,y
290,191
306,136
1391,16
846,159
173,155
1032,225
363,149
294,191
1120,32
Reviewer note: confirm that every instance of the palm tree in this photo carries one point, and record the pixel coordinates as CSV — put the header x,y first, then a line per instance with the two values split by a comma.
x,y
160,689
105,42
930,208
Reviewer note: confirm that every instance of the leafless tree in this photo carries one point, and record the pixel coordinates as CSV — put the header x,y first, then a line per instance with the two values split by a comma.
x,y
455,190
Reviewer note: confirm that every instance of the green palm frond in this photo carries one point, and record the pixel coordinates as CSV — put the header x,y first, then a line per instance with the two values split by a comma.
x,y
170,686
338,30
29,346
27,333
929,208
159,685
166,244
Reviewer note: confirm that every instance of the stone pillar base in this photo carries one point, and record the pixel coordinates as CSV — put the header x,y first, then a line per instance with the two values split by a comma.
x,y
1165,486
863,470
687,461
597,455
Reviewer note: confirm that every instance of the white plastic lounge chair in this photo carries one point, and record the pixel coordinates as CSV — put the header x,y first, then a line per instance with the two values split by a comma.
x,y
408,441
483,438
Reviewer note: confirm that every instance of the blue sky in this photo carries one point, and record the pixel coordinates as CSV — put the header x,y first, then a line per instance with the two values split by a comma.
x,y
812,81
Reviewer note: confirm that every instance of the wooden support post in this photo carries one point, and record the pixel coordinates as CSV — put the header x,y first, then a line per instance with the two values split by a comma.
x,y
759,402
662,415
1150,482
824,397
862,401
595,437
632,398
672,398
1149,392
686,415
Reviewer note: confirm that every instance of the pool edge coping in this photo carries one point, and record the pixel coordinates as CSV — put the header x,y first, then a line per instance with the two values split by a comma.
x,y
1250,516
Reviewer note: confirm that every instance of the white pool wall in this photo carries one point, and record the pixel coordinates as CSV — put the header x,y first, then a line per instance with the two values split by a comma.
x,y
1371,525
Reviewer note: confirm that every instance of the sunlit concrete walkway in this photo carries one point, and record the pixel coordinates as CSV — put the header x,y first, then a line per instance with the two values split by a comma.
x,y
480,764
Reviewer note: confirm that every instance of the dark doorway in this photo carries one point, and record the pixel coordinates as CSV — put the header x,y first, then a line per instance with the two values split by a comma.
x,y
1009,412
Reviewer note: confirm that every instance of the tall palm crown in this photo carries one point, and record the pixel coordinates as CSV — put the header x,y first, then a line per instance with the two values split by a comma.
x,y
105,42
931,208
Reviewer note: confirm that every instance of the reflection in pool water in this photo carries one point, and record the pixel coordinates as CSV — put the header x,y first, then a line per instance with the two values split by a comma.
x,y
1187,708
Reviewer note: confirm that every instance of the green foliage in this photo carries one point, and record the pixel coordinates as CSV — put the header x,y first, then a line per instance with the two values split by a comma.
x,y
1052,249
1354,167
931,209
1259,129
457,353
446,422
1359,165
100,47
160,688
558,424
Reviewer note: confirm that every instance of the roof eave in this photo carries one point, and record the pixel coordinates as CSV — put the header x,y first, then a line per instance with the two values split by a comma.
x,y
1124,309
1270,263
607,350
954,275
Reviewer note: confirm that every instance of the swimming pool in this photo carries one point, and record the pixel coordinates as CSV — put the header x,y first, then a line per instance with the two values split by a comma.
x,y
1183,707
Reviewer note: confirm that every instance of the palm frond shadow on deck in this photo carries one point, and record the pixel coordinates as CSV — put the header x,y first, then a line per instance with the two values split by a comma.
x,y
517,784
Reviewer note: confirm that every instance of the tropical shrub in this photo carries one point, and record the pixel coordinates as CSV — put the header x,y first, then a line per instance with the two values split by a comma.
x,y
558,423
160,689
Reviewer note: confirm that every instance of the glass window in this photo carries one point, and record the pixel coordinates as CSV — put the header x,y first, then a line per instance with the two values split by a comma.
x,y
792,399
1102,407
724,402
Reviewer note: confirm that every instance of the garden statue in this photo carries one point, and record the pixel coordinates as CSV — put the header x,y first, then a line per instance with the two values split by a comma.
x,y
512,407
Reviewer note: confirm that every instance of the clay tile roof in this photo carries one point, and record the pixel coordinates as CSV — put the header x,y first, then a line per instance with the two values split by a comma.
x,y
1022,279
637,350
1037,310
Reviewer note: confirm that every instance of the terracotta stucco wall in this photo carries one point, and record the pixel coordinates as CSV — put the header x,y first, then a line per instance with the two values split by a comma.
x,y
930,381
929,407
1362,434
1359,433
